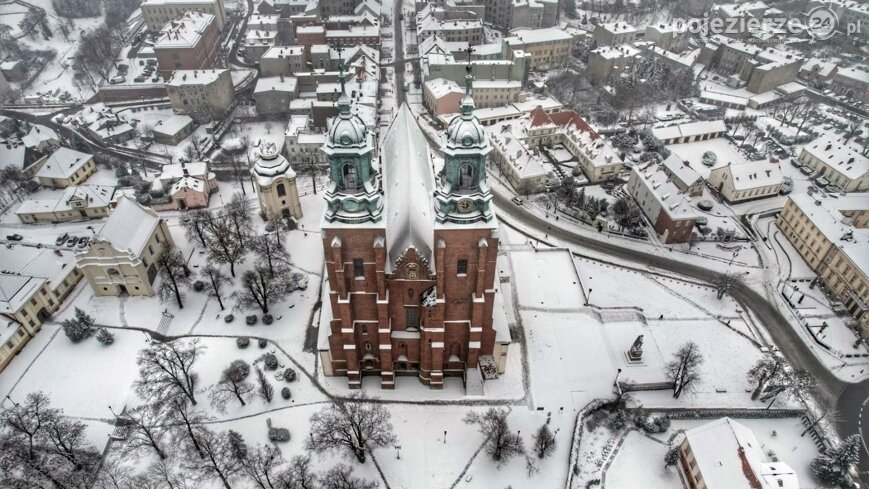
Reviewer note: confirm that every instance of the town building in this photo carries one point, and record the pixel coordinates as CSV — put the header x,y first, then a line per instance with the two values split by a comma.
x,y
724,454
257,42
608,62
746,181
187,186
273,94
690,132
66,167
189,43
852,82
760,69
103,123
410,254
512,14
353,36
668,209
156,13
275,184
204,95
669,37
173,129
283,60
832,237
303,144
549,48
683,176
122,258
834,160
614,34
443,96
33,284
75,203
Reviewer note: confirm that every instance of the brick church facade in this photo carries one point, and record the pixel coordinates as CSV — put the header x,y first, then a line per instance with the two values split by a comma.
x,y
411,246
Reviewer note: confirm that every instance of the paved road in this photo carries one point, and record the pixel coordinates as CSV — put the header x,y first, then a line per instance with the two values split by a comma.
x,y
848,399
398,58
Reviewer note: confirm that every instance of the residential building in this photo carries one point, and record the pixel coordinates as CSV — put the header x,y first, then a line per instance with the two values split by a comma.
x,y
282,60
614,34
33,284
275,184
156,13
724,454
173,129
442,96
683,176
257,42
549,48
273,94
832,237
746,181
668,209
839,163
512,14
123,256
187,186
671,37
303,144
353,36
852,82
430,22
690,132
103,123
761,69
495,115
410,264
75,203
189,43
608,62
204,95
66,167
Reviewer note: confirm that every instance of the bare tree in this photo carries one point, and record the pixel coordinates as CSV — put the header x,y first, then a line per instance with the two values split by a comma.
x,y
725,282
278,224
174,274
146,429
232,384
544,441
224,246
238,214
159,475
261,465
216,280
260,288
220,456
298,475
195,224
271,251
186,422
352,424
341,477
684,369
166,370
264,389
40,447
501,443
796,383
768,369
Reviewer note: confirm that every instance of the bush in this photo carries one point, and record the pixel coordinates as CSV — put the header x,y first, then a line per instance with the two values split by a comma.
x,y
617,420
289,375
76,331
228,318
242,342
199,286
105,337
285,393
291,224
263,343
654,424
125,181
710,158
270,361
268,319
251,320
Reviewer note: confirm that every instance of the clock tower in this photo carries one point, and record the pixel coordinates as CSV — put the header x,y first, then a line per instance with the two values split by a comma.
x,y
463,196
354,195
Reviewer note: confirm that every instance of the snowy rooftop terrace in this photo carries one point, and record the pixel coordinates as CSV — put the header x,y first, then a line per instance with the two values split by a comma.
x,y
185,32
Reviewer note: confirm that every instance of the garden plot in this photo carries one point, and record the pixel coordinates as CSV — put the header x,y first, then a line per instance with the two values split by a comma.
x,y
639,462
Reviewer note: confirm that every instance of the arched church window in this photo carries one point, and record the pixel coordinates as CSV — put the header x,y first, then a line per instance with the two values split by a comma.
x,y
351,180
282,191
466,177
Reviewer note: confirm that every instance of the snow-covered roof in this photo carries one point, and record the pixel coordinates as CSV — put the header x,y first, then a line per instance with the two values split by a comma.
x,y
681,170
276,84
39,134
271,164
185,32
671,200
689,130
173,125
723,448
440,87
129,227
618,27
41,263
408,182
828,216
839,156
16,290
278,52
524,36
195,77
185,183
175,171
92,195
63,163
755,174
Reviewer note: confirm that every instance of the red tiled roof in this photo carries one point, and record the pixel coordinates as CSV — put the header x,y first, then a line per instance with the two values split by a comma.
x,y
564,118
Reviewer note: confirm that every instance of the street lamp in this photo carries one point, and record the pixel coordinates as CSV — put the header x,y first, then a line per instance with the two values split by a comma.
x,y
588,301
398,452
445,437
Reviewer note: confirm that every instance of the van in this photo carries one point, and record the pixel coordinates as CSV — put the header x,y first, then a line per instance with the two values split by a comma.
x,y
518,201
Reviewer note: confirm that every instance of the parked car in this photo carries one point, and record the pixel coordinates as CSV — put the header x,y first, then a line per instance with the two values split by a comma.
x,y
14,237
61,239
83,242
806,171
518,201
71,241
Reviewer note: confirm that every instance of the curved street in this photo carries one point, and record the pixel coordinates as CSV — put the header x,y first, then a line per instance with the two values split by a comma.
x,y
846,398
